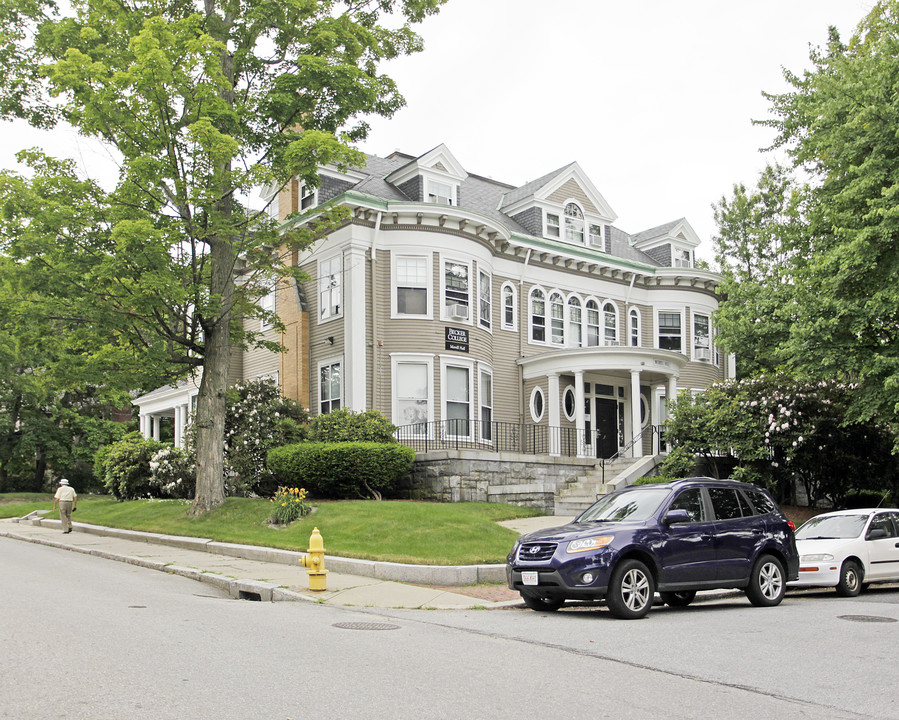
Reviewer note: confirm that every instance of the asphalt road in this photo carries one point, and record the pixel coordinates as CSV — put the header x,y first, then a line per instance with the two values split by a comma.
x,y
89,638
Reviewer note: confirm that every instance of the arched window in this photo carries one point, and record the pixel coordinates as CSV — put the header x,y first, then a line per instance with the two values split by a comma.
x,y
576,332
574,224
510,311
592,323
610,324
557,319
538,315
634,327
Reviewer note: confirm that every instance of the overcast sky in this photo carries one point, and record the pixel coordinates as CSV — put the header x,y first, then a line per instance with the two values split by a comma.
x,y
653,98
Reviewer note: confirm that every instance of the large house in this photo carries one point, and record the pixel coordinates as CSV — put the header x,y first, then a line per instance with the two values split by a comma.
x,y
482,316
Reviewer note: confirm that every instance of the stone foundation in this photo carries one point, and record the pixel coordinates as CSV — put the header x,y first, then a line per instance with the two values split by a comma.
x,y
475,476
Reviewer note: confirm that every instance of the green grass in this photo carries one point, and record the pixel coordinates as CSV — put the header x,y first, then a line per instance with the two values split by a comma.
x,y
393,531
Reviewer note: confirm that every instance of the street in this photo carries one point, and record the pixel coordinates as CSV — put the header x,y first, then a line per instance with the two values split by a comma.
x,y
84,637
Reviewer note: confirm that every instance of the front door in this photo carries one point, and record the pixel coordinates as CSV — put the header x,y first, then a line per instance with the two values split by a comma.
x,y
606,427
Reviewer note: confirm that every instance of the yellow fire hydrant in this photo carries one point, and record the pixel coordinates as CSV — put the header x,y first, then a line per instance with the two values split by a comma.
x,y
315,561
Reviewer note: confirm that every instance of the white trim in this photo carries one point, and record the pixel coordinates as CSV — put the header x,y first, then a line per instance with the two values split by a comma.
x,y
330,362
701,354
446,363
502,298
632,312
485,369
489,299
397,359
338,256
534,416
396,254
683,331
456,312
569,390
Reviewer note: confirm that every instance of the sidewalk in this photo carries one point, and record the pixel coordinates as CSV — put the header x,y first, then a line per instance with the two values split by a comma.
x,y
258,573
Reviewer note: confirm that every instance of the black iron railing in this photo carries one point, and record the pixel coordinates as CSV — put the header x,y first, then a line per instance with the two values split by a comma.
x,y
495,436
656,442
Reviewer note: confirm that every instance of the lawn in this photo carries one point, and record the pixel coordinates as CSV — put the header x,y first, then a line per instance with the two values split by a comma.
x,y
393,531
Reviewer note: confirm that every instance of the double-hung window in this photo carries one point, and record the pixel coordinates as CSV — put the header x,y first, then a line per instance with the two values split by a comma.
x,y
574,322
411,277
634,327
683,258
329,287
510,311
538,316
486,400
670,332
574,224
557,319
592,323
552,225
485,300
439,192
456,290
610,324
457,387
329,387
268,303
412,395
702,349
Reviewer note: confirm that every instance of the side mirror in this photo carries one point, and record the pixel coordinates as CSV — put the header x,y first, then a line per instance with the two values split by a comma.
x,y
676,516
876,534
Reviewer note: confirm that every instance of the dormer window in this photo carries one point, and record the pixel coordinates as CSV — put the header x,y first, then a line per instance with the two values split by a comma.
x,y
574,224
440,193
683,258
307,197
552,226
597,238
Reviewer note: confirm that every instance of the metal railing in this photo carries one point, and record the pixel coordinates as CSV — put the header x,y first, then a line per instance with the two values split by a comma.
x,y
656,434
495,436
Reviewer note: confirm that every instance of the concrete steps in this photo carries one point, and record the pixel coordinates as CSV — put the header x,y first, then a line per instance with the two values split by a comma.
x,y
576,496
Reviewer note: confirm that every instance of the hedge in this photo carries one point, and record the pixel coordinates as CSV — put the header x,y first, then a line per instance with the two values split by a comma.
x,y
342,470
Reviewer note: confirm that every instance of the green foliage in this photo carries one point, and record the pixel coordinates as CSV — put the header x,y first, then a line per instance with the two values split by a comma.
x,y
655,480
126,467
782,432
342,470
680,463
258,418
172,473
344,425
289,504
201,104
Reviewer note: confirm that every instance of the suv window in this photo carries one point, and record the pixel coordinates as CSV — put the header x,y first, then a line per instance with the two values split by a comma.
x,y
762,502
726,503
691,501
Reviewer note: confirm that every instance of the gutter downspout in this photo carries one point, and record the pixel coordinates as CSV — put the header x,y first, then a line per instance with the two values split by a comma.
x,y
376,342
522,330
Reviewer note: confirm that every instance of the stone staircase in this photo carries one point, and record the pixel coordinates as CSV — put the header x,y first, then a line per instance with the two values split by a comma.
x,y
577,495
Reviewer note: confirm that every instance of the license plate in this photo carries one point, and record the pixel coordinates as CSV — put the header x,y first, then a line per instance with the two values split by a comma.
x,y
529,578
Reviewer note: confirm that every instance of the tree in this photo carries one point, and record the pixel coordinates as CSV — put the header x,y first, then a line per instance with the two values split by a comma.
x,y
759,244
838,123
201,102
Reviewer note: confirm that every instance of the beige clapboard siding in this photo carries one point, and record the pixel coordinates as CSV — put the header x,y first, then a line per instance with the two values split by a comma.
x,y
320,348
571,190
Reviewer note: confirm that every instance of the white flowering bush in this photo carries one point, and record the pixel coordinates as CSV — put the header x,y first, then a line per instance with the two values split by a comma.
x,y
172,473
780,432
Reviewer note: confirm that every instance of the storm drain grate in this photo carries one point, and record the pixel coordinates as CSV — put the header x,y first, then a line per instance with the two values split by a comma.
x,y
866,618
365,626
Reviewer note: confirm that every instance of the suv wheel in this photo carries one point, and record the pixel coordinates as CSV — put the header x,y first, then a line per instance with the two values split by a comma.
x,y
631,590
542,604
678,599
766,584
850,583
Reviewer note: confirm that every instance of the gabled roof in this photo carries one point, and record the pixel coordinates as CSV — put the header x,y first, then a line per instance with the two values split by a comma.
x,y
567,183
439,160
678,230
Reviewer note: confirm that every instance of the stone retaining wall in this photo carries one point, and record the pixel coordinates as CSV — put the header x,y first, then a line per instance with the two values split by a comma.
x,y
475,476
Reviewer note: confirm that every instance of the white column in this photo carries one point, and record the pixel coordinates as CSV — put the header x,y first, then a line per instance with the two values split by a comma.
x,y
354,308
145,425
671,397
155,419
635,413
579,419
555,419
179,427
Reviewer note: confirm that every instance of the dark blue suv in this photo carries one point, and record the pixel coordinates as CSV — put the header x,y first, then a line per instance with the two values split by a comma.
x,y
674,538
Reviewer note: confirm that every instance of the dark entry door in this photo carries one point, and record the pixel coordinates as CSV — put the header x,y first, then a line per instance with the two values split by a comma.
x,y
606,427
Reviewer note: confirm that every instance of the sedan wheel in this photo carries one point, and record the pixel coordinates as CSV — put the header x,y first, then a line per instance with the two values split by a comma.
x,y
631,590
850,583
542,604
766,585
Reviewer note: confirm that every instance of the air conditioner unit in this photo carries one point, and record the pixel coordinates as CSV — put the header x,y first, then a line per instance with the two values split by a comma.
x,y
457,311
703,354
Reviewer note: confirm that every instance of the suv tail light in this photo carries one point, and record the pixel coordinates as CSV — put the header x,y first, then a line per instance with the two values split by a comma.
x,y
792,525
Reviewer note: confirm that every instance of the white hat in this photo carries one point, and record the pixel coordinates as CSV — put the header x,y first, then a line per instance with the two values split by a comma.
x,y
63,482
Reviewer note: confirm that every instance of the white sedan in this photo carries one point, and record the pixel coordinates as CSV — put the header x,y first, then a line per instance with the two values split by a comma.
x,y
847,549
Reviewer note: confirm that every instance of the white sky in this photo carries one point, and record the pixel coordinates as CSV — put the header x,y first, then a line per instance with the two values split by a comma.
x,y
654,98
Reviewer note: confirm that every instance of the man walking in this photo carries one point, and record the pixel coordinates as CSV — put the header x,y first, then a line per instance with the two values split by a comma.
x,y
67,500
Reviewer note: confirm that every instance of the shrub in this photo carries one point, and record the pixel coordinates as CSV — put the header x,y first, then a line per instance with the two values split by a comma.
x,y
680,463
654,480
126,466
866,499
290,504
172,473
344,425
342,470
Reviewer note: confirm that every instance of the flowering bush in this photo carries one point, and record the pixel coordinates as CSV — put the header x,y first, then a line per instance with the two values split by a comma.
x,y
125,466
172,473
290,504
781,432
